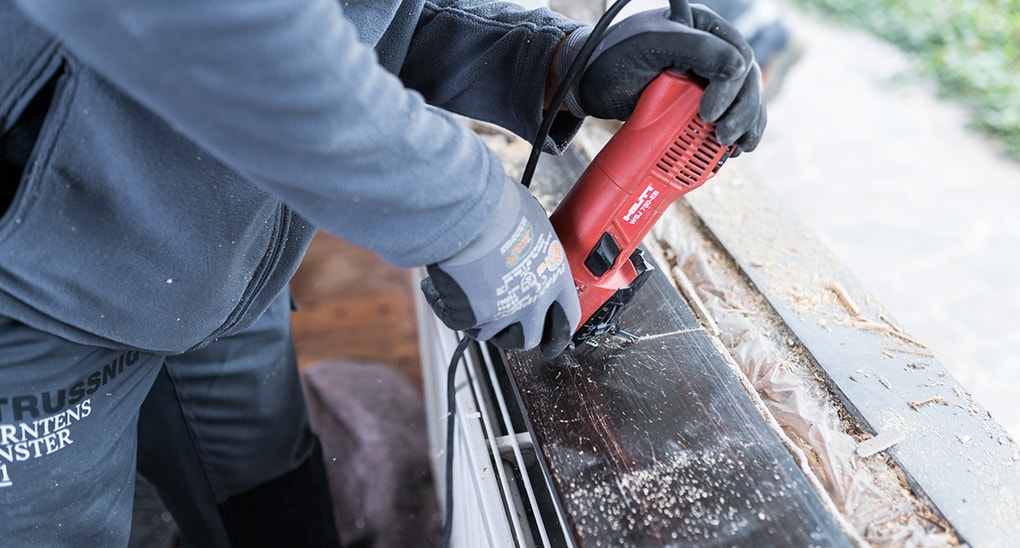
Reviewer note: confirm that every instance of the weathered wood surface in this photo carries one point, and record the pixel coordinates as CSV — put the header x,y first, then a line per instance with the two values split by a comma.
x,y
656,442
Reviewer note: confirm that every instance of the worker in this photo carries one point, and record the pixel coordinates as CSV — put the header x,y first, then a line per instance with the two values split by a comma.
x,y
164,166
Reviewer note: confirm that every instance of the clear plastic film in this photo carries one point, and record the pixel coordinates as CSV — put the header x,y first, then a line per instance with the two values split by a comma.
x,y
866,490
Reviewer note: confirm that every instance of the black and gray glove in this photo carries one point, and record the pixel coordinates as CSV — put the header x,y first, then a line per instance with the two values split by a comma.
x,y
636,50
512,285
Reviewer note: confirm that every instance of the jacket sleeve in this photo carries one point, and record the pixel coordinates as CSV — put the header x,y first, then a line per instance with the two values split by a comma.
x,y
286,95
488,61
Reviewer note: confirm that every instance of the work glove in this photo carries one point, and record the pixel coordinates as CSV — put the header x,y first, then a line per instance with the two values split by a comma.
x,y
511,286
636,50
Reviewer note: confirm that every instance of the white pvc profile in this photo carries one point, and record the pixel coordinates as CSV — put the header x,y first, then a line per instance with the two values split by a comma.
x,y
510,498
515,443
488,505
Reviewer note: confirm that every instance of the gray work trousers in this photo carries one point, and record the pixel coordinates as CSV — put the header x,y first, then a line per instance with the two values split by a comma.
x,y
201,426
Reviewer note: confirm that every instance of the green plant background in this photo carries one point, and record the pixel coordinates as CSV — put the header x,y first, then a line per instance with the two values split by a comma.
x,y
971,47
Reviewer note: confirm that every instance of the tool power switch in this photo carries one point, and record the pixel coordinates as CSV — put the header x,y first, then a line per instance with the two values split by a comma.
x,y
603,255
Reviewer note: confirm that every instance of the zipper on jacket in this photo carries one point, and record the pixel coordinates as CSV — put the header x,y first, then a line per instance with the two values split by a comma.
x,y
263,271
17,143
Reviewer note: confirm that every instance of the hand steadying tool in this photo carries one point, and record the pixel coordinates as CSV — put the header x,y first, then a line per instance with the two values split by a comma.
x,y
663,151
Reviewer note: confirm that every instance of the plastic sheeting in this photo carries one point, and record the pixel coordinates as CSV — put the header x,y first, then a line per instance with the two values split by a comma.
x,y
867,490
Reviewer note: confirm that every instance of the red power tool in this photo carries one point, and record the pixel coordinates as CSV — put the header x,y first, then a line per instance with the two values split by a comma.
x,y
663,151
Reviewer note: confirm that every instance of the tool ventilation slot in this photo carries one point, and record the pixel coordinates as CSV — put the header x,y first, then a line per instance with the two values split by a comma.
x,y
689,159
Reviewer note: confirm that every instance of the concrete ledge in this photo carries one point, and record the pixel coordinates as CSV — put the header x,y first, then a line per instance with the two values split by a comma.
x,y
949,448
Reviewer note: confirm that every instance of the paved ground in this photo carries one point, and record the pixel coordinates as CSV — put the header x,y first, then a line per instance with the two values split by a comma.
x,y
921,209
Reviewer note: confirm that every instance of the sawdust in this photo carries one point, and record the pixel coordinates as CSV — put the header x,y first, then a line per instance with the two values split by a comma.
x,y
800,277
672,491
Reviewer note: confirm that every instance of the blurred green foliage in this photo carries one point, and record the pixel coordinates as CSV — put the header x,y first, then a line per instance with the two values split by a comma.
x,y
971,47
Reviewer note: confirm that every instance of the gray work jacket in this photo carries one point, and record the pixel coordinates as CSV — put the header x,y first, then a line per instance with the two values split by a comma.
x,y
192,148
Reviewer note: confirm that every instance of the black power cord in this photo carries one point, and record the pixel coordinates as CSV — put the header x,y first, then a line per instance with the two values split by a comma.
x,y
458,354
451,408
573,72
536,147
679,11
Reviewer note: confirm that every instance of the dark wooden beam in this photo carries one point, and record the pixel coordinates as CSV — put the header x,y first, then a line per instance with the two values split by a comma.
x,y
657,442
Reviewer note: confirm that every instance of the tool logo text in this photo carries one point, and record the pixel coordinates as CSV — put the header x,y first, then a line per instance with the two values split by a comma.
x,y
641,205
